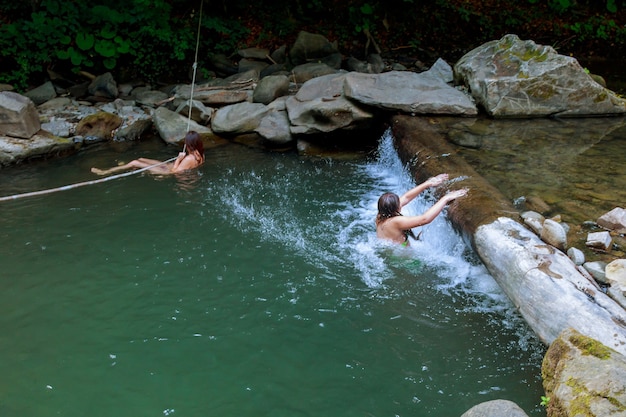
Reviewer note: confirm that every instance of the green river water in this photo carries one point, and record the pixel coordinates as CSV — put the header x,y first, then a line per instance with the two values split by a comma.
x,y
252,287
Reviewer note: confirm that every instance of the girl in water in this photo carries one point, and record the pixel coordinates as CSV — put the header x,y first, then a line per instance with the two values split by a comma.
x,y
191,158
392,225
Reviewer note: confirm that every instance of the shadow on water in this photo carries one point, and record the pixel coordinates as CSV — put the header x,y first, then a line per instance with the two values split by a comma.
x,y
254,286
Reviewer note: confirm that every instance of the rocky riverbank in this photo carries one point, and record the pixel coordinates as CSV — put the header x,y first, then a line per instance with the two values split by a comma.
x,y
290,98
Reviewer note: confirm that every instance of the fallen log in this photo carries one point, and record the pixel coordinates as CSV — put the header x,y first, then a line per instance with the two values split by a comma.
x,y
549,291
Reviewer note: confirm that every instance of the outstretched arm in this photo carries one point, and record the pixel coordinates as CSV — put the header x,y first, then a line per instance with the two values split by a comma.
x,y
407,197
409,222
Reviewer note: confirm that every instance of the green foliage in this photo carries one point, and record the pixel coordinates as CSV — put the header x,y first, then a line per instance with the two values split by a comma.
x,y
148,36
598,28
544,401
362,17
154,39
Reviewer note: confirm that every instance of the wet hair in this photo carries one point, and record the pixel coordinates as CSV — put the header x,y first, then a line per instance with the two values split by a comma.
x,y
388,207
193,142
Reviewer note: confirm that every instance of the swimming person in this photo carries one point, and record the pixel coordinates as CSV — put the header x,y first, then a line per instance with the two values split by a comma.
x,y
392,225
192,157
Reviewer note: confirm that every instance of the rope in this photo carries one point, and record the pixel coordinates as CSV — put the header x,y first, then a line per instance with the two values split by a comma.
x,y
80,184
113,177
195,67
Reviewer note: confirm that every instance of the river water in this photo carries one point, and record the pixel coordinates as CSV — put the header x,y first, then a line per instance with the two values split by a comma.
x,y
574,166
254,286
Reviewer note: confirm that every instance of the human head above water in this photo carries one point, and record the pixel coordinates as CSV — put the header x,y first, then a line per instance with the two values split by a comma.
x,y
388,206
193,142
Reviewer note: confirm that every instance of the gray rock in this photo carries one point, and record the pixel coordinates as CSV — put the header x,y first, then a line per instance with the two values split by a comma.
x,y
495,408
103,86
309,47
279,56
374,64
576,255
408,92
246,65
132,130
533,220
60,128
42,93
319,107
199,112
18,116
221,64
599,240
614,220
514,78
55,105
217,98
238,118
270,88
596,270
554,234
150,98
172,126
442,70
274,69
254,53
275,127
41,144
582,376
305,72
615,273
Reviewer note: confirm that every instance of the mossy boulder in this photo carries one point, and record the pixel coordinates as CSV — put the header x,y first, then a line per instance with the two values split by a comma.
x,y
515,78
584,378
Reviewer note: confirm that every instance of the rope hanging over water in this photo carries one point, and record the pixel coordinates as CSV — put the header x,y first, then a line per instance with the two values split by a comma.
x,y
81,184
195,67
137,171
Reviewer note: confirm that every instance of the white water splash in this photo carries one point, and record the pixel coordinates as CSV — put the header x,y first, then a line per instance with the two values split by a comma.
x,y
440,247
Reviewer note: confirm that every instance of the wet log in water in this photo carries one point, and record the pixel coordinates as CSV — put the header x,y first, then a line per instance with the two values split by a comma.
x,y
543,283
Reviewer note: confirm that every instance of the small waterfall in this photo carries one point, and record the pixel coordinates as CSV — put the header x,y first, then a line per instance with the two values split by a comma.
x,y
323,211
440,248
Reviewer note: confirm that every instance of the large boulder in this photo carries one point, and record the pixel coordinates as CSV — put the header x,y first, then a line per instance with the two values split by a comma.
x,y
238,118
320,107
18,116
270,88
274,126
40,145
514,78
98,126
172,126
311,47
583,377
409,92
104,87
305,72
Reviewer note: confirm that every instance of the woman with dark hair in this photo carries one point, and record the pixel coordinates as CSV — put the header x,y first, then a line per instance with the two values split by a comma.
x,y
393,226
191,157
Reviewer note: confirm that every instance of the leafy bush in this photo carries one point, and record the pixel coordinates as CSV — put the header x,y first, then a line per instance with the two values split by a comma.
x,y
156,39
148,38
